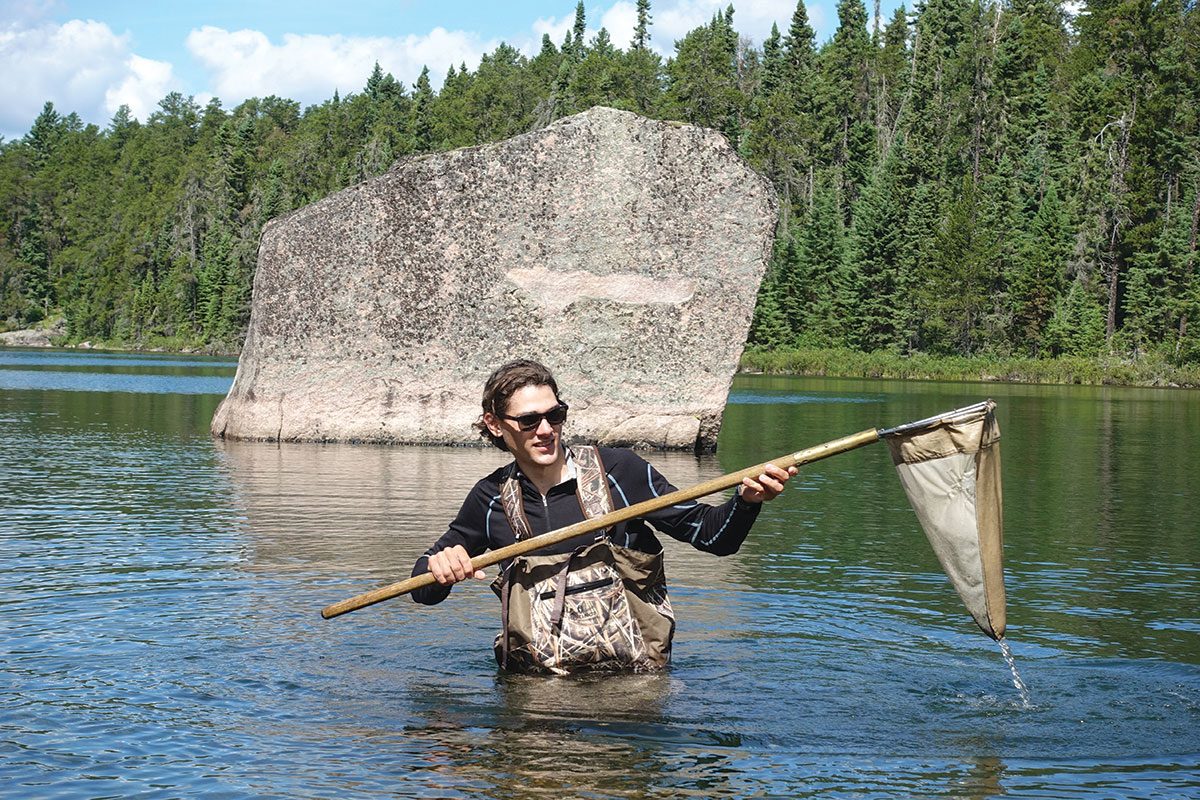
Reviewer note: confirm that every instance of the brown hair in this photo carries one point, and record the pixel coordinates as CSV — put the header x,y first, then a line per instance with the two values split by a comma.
x,y
503,384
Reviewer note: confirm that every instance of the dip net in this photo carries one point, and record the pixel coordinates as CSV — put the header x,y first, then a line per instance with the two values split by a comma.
x,y
950,469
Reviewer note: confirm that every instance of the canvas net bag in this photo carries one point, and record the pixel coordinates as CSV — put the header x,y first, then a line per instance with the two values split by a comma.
x,y
599,607
951,474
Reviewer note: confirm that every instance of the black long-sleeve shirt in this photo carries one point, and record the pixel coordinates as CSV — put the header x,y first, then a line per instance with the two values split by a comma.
x,y
481,524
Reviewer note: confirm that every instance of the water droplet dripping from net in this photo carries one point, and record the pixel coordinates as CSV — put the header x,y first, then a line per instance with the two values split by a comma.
x,y
1022,688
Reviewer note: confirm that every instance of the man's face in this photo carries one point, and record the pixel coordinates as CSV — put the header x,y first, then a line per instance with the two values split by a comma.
x,y
539,447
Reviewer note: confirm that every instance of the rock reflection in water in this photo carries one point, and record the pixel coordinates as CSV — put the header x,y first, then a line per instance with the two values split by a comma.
x,y
371,511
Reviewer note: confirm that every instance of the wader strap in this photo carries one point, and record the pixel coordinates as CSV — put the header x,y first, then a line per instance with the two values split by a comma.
x,y
560,594
505,591
591,484
514,506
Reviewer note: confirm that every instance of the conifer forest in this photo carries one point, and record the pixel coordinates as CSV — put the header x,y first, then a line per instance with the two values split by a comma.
x,y
969,177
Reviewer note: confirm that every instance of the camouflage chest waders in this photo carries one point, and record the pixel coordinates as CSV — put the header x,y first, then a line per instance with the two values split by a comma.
x,y
601,606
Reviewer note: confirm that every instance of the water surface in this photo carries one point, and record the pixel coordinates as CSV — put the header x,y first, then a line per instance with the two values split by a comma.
x,y
161,632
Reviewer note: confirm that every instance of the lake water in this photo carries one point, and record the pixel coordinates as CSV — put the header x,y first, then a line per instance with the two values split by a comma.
x,y
161,592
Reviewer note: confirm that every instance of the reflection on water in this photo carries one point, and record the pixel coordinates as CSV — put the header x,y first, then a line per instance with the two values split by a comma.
x,y
162,633
373,511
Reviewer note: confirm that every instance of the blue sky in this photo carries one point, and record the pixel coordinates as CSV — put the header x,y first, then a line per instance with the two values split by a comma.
x,y
90,57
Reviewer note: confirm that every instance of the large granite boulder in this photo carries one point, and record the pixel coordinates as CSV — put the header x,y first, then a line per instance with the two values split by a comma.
x,y
623,253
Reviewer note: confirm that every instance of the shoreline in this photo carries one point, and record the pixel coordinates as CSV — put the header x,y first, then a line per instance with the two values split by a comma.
x,y
1147,372
32,343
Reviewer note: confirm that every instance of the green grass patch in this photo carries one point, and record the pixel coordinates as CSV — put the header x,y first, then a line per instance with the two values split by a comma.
x,y
1108,370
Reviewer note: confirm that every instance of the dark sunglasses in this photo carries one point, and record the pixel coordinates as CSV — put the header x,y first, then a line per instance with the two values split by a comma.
x,y
529,422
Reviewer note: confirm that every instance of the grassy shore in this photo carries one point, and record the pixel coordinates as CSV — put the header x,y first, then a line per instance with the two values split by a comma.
x,y
1114,371
836,363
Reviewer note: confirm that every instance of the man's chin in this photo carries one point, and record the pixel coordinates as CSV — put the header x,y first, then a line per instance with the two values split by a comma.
x,y
545,457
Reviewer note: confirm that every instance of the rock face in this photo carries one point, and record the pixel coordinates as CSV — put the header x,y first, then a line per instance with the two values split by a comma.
x,y
26,338
623,253
33,337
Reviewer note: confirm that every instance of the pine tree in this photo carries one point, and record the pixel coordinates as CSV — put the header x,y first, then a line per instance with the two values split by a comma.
x,y
890,77
273,194
33,285
873,260
454,125
422,124
703,80
1040,271
544,70
772,64
644,80
579,31
1077,325
941,76
821,291
374,83
45,134
500,99
775,146
641,32
601,78
960,278
797,98
844,104
798,54
121,127
769,327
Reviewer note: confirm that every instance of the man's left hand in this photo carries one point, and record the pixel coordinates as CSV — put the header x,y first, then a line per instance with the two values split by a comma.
x,y
766,486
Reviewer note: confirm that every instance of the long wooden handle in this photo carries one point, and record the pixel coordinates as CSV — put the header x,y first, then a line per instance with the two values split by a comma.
x,y
612,518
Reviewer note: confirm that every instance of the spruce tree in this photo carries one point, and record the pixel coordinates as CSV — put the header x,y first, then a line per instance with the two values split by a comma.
x,y
872,264
702,78
890,76
579,31
44,135
641,32
798,53
821,292
848,135
422,122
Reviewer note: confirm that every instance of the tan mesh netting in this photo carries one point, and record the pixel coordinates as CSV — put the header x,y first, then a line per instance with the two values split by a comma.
x,y
950,470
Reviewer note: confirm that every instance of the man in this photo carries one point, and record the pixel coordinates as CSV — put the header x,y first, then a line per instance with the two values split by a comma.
x,y
546,487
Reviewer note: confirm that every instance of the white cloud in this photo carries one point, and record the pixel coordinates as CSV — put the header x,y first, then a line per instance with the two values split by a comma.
x,y
308,68
756,17
753,18
555,26
671,20
147,82
80,66
619,21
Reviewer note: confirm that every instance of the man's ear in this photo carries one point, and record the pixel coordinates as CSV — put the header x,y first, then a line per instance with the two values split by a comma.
x,y
493,424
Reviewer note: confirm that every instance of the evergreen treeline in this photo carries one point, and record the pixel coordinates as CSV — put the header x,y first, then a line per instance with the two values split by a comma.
x,y
970,178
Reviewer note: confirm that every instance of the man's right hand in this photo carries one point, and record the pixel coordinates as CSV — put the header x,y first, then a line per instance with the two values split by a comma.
x,y
452,565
